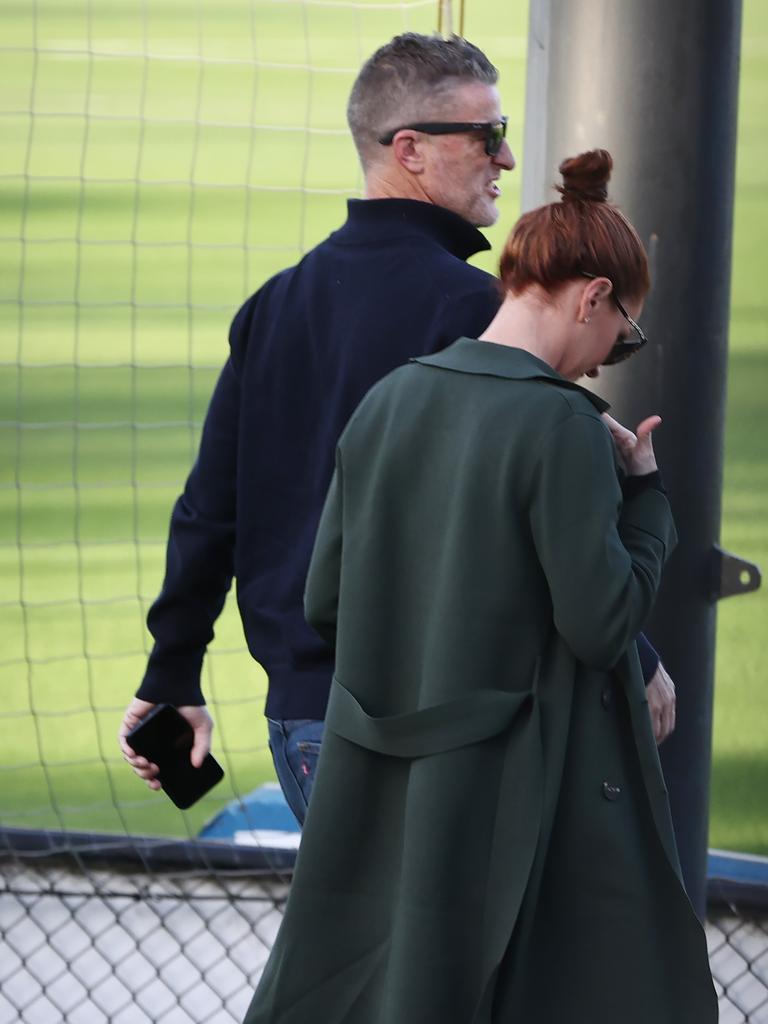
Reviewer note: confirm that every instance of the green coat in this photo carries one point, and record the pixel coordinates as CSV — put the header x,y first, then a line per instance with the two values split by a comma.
x,y
489,836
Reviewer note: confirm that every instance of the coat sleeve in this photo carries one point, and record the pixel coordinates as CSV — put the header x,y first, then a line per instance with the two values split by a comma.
x,y
602,556
199,559
321,595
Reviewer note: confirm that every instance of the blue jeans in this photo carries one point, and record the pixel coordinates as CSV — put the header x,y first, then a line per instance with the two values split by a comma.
x,y
295,746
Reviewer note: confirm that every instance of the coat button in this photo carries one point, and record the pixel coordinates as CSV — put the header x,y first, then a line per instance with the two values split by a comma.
x,y
611,791
606,698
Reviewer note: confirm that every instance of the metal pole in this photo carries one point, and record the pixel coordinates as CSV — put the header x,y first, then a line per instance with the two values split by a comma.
x,y
445,17
655,83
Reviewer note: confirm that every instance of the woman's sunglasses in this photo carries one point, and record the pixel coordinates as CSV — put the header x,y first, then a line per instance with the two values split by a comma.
x,y
494,132
627,346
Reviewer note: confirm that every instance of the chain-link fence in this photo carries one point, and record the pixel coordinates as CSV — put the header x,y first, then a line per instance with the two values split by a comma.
x,y
737,938
181,932
738,953
84,943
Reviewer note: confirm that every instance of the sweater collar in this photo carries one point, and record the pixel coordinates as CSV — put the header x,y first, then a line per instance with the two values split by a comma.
x,y
491,359
407,218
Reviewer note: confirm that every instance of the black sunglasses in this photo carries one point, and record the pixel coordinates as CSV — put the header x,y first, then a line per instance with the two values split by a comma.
x,y
494,131
628,346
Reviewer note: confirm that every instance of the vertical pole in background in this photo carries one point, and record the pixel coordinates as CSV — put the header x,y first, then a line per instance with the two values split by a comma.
x,y
445,17
656,84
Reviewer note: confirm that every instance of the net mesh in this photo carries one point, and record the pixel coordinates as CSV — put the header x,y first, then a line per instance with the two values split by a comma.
x,y
160,161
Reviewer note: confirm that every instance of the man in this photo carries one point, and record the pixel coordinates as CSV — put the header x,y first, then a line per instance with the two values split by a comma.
x,y
426,119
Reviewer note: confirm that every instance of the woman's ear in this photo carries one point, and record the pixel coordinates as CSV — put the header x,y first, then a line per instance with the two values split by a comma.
x,y
594,290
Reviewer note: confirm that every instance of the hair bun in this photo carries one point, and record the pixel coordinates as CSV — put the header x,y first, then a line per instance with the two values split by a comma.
x,y
585,177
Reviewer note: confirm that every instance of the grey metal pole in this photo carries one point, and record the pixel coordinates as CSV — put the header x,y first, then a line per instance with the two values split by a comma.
x,y
655,83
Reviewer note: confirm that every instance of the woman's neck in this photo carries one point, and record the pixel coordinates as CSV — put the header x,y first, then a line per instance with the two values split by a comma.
x,y
531,323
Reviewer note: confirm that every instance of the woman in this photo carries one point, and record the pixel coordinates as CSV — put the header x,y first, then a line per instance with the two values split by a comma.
x,y
489,838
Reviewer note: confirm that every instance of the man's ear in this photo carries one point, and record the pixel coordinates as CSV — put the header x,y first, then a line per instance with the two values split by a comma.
x,y
409,151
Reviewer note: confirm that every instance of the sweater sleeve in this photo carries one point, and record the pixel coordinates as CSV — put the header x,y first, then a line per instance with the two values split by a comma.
x,y
199,559
602,555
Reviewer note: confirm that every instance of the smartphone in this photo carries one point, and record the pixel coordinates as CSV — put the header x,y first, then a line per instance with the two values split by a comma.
x,y
165,737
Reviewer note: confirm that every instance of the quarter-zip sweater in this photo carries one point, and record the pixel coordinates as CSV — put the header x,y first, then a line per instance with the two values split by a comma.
x,y
390,284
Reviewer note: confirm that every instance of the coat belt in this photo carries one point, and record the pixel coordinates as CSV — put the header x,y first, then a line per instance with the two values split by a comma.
x,y
432,730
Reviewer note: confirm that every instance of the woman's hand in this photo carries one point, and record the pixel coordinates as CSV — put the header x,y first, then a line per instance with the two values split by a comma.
x,y
635,449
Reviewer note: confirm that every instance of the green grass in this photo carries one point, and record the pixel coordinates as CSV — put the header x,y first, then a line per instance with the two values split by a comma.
x,y
123,256
739,795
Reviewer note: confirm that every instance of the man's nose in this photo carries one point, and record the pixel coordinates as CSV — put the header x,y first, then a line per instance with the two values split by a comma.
x,y
504,157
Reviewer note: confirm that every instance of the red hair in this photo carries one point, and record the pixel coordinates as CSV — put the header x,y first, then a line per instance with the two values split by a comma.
x,y
583,232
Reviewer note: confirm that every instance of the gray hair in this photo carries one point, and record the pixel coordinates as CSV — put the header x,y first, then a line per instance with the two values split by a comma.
x,y
406,80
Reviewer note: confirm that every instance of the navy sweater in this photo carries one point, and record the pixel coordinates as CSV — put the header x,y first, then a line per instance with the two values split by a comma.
x,y
390,284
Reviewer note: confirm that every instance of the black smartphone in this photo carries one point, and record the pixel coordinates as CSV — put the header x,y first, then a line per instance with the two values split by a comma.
x,y
165,737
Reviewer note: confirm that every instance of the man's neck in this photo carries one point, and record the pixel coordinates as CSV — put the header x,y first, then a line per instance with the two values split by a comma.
x,y
380,185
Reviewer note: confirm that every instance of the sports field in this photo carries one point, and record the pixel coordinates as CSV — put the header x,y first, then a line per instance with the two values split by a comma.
x,y
139,207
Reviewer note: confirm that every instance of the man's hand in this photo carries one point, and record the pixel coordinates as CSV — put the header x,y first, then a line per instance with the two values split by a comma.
x,y
635,449
661,703
198,718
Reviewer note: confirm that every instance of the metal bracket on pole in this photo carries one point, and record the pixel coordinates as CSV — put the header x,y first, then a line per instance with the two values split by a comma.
x,y
730,575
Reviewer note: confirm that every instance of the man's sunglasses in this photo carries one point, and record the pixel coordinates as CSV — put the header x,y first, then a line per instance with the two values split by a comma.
x,y
627,346
494,131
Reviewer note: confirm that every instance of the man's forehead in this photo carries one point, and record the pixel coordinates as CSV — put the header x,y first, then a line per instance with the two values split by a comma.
x,y
470,101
